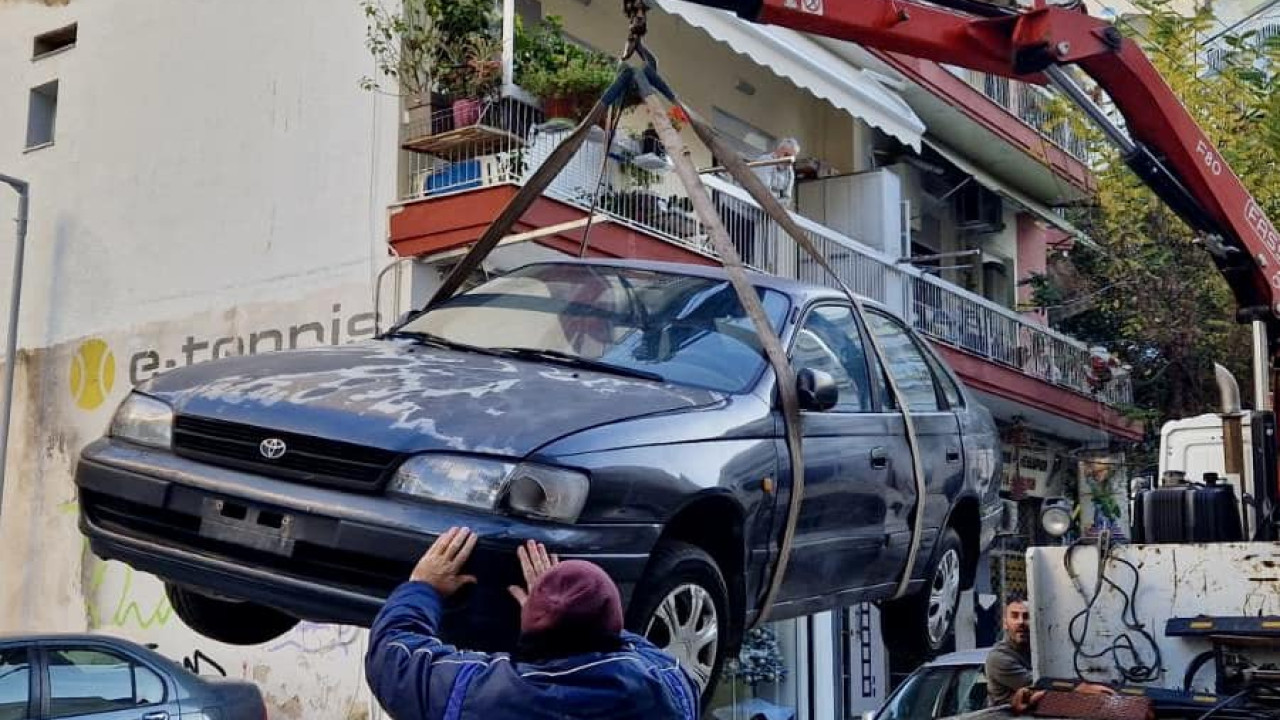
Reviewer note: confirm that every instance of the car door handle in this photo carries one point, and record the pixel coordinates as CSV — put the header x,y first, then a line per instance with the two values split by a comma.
x,y
162,715
879,458
953,455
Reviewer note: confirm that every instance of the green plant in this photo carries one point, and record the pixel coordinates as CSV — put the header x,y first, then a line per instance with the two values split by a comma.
x,y
638,176
472,68
403,46
550,66
430,45
580,77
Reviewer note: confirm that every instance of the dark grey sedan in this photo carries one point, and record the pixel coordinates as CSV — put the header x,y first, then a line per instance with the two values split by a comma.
x,y
620,412
99,677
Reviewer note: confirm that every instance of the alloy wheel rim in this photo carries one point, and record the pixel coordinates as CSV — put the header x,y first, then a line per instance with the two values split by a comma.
x,y
686,626
944,596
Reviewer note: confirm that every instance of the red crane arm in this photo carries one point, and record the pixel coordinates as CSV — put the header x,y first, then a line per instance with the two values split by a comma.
x,y
1171,153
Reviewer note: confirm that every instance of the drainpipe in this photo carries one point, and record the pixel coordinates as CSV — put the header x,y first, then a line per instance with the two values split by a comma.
x,y
11,344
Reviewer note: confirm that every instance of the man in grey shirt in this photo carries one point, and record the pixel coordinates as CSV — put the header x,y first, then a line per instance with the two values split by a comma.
x,y
1008,666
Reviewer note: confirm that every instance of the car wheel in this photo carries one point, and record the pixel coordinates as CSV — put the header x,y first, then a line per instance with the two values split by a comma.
x,y
682,606
233,622
924,623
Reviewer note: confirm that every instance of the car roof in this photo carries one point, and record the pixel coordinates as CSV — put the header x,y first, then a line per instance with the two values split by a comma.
x,y
99,639
67,637
799,291
976,656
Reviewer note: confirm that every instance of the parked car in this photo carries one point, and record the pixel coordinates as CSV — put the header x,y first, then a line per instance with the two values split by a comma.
x,y
100,677
953,684
619,411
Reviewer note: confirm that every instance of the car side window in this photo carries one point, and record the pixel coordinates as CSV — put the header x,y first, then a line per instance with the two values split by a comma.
x,y
907,363
919,697
970,690
949,389
15,684
830,341
87,680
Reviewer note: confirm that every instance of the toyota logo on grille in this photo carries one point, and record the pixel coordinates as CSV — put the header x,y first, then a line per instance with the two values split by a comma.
x,y
273,448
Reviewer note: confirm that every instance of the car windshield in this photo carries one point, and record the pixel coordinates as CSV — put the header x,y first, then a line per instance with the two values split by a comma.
x,y
686,329
918,697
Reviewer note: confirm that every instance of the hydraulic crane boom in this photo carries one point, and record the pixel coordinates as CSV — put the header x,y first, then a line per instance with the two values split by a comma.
x,y
1164,145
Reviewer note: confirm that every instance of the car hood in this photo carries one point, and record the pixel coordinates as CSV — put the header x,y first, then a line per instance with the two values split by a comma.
x,y
400,395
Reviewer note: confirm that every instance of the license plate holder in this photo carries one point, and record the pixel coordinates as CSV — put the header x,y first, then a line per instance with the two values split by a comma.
x,y
247,525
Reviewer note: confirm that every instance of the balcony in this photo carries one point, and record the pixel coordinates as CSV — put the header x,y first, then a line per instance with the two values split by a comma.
x,y
639,194
1030,104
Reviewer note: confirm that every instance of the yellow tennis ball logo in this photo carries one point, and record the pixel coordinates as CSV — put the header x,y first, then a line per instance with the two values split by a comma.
x,y
93,373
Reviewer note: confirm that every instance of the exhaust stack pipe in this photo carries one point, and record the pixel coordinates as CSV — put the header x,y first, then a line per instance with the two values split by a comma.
x,y
1232,423
1228,390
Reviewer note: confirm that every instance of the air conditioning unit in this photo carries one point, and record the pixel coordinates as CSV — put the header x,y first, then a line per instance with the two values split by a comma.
x,y
978,209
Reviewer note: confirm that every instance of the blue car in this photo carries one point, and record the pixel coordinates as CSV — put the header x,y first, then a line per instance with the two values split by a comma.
x,y
620,412
98,677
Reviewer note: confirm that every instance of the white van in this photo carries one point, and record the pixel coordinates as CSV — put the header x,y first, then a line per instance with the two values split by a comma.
x,y
1193,446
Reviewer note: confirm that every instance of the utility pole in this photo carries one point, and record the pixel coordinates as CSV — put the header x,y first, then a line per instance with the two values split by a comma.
x,y
11,342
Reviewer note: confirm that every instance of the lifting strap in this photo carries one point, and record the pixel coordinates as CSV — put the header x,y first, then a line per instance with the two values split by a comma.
x,y
531,191
740,172
648,79
615,117
755,187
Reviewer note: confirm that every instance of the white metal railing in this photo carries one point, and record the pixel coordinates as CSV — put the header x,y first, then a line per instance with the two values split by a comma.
x,y
1254,32
656,203
1030,104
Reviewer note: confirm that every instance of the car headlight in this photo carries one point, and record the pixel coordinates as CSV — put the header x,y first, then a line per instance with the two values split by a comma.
x,y
145,421
534,490
453,479
547,492
1055,517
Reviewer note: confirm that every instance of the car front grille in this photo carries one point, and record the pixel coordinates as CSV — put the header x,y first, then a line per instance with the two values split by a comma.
x,y
360,572
307,459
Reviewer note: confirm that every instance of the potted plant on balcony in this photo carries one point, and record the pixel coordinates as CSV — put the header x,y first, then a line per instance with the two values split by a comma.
x,y
471,76
567,77
434,53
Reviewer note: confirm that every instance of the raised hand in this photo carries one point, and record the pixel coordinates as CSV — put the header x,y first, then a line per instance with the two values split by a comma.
x,y
534,562
441,565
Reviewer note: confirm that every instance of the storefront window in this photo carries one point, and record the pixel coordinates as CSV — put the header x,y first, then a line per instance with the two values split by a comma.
x,y
761,682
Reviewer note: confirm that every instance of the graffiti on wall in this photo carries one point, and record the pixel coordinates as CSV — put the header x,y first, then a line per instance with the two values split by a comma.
x,y
314,671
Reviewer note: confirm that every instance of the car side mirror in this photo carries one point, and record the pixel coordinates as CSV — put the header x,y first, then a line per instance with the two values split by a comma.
x,y
817,390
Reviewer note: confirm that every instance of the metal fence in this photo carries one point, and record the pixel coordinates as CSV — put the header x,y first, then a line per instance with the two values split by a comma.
x,y
1030,104
635,190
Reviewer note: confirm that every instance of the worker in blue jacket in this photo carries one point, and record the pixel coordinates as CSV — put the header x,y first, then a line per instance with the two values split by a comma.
x,y
573,659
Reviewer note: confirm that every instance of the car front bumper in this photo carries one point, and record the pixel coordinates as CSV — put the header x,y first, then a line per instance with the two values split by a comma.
x,y
317,553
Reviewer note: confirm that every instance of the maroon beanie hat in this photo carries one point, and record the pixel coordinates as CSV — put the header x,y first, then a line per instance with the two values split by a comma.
x,y
575,596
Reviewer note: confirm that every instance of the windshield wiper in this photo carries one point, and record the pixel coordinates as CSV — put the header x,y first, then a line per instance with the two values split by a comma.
x,y
437,341
578,361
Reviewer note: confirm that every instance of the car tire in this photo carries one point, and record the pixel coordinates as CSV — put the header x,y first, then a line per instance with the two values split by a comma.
x,y
228,621
922,625
682,595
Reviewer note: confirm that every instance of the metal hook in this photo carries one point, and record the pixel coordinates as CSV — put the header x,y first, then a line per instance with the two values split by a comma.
x,y
637,25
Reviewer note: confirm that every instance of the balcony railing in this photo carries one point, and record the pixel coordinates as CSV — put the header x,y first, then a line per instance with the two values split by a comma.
x,y
1256,32
654,202
1029,104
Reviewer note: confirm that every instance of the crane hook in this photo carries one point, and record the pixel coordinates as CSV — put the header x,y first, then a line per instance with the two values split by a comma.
x,y
637,25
